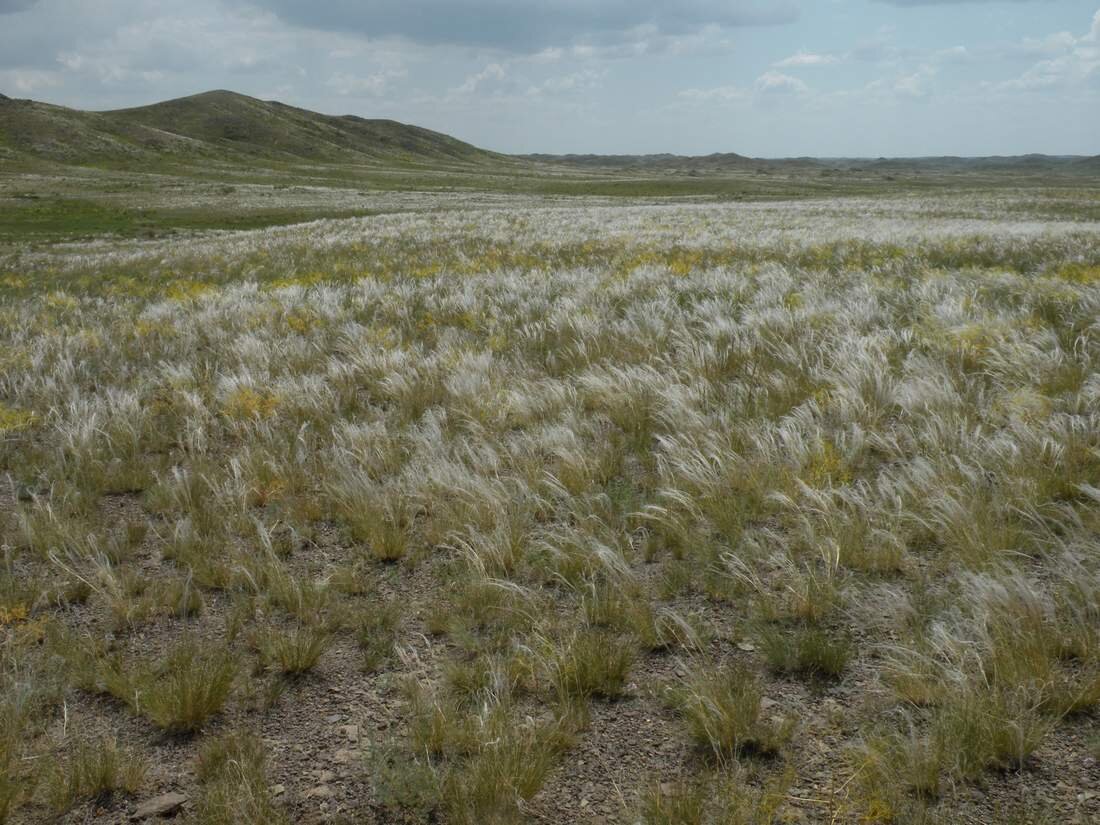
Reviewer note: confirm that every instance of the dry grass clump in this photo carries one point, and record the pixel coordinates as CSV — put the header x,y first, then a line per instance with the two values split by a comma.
x,y
590,664
723,711
233,784
484,760
92,771
178,693
291,651
809,653
715,800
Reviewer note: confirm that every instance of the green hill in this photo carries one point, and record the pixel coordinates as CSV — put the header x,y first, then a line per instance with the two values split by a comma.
x,y
219,125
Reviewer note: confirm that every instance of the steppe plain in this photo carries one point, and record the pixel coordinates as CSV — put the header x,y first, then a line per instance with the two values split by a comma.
x,y
533,490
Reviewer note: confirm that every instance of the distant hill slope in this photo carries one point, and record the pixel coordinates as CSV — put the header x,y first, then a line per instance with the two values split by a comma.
x,y
730,162
717,162
219,124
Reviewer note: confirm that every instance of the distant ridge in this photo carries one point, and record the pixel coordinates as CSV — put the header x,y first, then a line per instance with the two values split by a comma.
x,y
220,124
718,162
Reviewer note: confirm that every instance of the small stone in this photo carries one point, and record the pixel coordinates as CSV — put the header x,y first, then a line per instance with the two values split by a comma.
x,y
748,647
334,718
351,732
325,777
343,757
767,704
667,789
278,790
163,805
320,792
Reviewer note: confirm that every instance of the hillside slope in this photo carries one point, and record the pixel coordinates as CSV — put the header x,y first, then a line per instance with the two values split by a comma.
x,y
219,124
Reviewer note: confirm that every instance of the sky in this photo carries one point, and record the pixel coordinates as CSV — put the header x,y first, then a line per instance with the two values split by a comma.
x,y
785,78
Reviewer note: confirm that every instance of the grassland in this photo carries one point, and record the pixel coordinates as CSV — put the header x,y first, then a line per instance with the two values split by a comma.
x,y
496,499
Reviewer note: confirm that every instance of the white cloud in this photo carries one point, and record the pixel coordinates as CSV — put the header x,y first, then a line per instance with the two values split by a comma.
x,y
917,85
529,26
769,86
773,83
716,94
373,85
581,81
808,59
492,72
1049,46
955,54
28,81
1076,65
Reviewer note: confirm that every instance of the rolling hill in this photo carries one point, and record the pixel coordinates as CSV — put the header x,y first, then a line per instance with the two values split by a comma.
x,y
222,125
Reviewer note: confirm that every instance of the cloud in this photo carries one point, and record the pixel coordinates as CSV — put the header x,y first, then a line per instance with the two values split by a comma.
x,y
808,59
769,87
777,83
28,81
526,25
12,6
583,80
717,94
372,85
1076,64
904,3
916,85
1049,46
957,55
492,72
